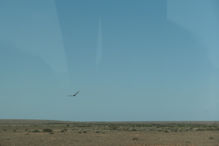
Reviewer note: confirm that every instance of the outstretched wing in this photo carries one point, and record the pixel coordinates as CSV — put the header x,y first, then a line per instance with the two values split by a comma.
x,y
76,93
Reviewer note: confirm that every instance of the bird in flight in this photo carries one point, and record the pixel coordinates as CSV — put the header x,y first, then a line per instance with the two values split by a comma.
x,y
75,93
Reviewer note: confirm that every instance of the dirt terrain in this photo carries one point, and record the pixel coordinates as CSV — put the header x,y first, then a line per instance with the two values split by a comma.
x,y
59,133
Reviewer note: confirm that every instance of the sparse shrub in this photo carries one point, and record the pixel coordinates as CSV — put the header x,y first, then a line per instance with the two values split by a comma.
x,y
63,130
211,138
159,130
186,129
133,129
188,142
67,125
36,130
200,129
134,138
97,131
216,128
84,131
14,130
114,127
47,130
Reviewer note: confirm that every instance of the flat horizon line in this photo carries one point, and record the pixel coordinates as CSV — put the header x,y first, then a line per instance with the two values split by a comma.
x,y
112,121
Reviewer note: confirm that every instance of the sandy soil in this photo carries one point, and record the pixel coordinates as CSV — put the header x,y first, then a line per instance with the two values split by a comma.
x,y
57,133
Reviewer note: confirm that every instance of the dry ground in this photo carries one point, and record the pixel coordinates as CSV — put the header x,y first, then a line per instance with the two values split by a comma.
x,y
57,133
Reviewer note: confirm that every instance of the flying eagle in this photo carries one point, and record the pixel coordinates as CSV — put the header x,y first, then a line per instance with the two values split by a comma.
x,y
75,94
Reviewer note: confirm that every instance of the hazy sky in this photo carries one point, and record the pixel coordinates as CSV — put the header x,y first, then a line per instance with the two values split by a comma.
x,y
132,60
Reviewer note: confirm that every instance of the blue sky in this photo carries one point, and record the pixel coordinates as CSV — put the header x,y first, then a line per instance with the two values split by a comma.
x,y
142,60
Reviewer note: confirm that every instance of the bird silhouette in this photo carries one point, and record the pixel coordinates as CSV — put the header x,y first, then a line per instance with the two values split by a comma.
x,y
74,94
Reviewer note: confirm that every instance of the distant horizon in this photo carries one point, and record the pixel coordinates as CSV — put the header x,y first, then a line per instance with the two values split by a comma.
x,y
112,121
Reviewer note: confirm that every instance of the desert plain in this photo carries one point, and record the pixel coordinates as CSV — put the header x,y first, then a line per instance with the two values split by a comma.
x,y
67,133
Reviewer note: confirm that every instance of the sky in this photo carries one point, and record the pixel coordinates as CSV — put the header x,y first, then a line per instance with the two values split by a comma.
x,y
144,60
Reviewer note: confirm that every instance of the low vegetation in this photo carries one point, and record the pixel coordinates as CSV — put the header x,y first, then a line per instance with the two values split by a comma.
x,y
55,133
47,130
